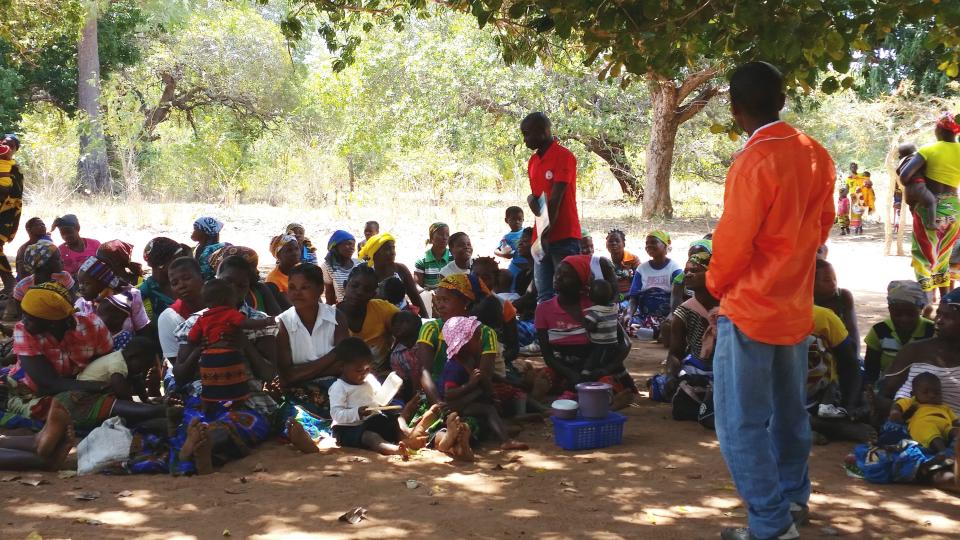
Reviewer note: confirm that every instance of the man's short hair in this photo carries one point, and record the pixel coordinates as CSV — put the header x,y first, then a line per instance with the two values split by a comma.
x,y
756,88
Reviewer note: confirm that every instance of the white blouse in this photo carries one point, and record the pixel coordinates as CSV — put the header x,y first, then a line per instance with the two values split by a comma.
x,y
307,346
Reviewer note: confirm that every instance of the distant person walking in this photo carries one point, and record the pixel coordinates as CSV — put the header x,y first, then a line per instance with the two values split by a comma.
x,y
778,208
552,171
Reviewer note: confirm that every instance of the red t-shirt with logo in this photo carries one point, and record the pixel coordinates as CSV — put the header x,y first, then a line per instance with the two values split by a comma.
x,y
557,164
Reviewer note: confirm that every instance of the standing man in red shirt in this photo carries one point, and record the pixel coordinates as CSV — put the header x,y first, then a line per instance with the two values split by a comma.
x,y
553,172
778,209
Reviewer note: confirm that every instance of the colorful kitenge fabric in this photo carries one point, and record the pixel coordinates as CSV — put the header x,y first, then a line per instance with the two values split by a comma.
x,y
932,247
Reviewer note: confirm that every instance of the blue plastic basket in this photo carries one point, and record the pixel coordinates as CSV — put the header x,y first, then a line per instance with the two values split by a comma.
x,y
587,433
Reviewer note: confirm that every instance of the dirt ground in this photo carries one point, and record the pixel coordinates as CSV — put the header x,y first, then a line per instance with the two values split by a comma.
x,y
667,479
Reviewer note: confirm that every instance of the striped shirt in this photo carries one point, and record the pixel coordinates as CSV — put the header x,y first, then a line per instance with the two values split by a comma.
x,y
430,267
949,383
337,275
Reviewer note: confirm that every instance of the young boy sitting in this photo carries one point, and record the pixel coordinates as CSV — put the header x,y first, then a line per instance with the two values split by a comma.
x,y
405,327
223,370
114,310
602,325
124,370
357,422
929,421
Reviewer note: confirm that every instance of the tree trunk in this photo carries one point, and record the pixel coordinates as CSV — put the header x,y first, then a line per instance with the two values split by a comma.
x,y
663,137
670,110
616,157
93,167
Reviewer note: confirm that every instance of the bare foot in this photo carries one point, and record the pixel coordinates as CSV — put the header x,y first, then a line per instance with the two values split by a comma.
x,y
59,456
514,445
621,400
402,451
299,438
193,437
417,438
446,441
203,452
463,451
56,426
174,418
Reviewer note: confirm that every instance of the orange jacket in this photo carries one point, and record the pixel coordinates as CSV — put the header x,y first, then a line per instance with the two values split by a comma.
x,y
778,209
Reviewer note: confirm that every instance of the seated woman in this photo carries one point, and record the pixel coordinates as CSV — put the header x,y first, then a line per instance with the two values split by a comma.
x,y
840,301
624,262
564,340
380,254
649,296
43,264
116,254
97,281
905,301
369,318
206,233
75,249
337,264
308,253
306,363
261,297
693,333
36,230
53,345
286,250
156,292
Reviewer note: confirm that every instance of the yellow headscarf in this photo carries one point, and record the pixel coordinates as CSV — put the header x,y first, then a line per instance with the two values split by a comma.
x,y
373,245
47,301
661,236
466,285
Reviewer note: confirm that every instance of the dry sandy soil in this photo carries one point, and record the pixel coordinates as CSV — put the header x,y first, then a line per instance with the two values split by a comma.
x,y
667,479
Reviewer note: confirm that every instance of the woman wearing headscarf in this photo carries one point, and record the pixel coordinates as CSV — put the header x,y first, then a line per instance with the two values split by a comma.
x,y
155,290
937,167
562,336
206,233
118,254
261,297
368,317
286,250
97,281
906,324
53,345
42,263
380,254
308,253
337,264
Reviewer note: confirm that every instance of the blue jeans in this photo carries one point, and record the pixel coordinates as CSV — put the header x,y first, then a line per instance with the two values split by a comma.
x,y
762,425
556,251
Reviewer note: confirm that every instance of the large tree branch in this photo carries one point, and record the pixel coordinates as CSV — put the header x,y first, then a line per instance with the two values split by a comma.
x,y
696,80
689,109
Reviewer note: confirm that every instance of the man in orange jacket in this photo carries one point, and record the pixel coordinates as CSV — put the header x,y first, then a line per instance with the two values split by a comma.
x,y
778,209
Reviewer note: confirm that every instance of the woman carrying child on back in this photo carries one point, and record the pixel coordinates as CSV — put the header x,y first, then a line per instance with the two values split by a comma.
x,y
223,372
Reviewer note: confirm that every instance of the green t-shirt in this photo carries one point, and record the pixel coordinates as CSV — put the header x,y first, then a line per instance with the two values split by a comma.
x,y
431,334
883,337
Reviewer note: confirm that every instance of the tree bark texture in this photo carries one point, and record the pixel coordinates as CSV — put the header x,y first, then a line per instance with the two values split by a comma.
x,y
93,167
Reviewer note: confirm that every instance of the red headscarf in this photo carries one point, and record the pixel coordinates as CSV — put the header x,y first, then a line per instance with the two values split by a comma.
x,y
949,122
581,265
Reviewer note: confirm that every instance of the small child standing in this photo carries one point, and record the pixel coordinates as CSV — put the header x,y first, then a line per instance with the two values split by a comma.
x,y
930,422
223,370
462,250
370,229
356,423
405,327
843,211
603,327
507,248
427,270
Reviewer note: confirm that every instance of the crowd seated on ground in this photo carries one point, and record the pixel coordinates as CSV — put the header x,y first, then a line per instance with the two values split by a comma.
x,y
300,354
